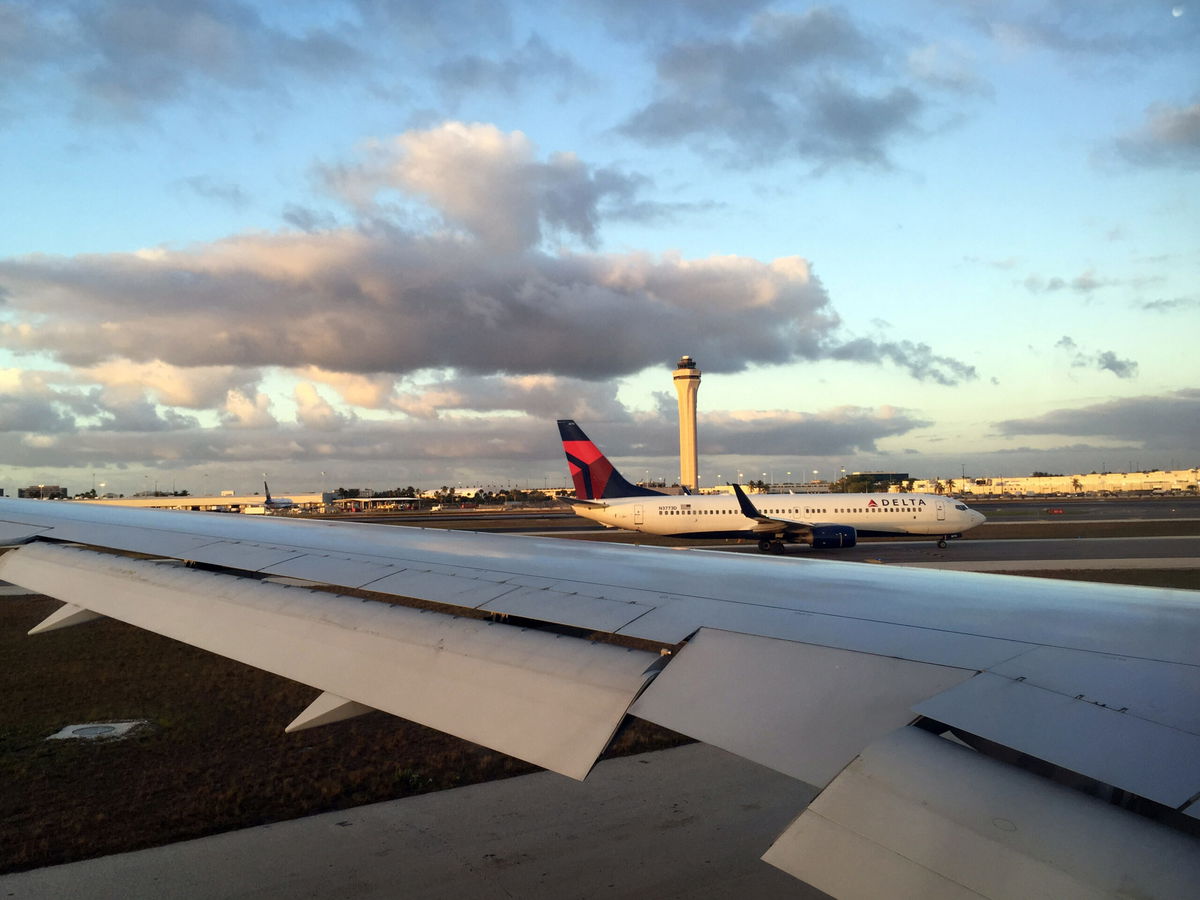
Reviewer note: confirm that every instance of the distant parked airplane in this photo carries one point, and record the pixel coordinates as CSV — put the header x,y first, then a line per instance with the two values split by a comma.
x,y
820,520
276,503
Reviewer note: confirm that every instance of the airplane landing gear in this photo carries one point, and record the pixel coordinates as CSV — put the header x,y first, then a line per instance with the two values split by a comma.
x,y
941,543
766,545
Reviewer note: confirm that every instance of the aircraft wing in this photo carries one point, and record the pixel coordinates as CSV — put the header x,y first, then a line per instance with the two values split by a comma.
x,y
974,735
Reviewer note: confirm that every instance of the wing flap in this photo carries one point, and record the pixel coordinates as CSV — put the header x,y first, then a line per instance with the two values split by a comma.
x,y
552,700
561,607
343,571
919,816
1115,747
800,709
1149,689
454,590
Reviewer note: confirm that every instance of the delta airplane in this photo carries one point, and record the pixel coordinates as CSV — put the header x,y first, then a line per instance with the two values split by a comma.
x,y
821,520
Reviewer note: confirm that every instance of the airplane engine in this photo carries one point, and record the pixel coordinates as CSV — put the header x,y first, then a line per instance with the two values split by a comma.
x,y
826,537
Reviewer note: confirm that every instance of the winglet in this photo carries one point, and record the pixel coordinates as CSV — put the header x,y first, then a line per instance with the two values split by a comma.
x,y
749,510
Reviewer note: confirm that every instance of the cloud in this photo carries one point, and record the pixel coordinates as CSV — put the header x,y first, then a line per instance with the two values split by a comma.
x,y
142,417
534,64
490,184
1153,422
783,90
1122,368
947,66
1099,30
307,219
123,59
242,410
1084,283
542,397
34,415
315,412
1169,306
41,402
450,25
627,20
365,391
917,358
1104,360
388,301
197,387
1168,138
225,192
845,430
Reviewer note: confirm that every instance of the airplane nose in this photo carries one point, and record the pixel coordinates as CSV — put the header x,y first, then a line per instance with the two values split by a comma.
x,y
979,517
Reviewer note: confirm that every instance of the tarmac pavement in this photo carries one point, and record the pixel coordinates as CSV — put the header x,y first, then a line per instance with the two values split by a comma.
x,y
690,822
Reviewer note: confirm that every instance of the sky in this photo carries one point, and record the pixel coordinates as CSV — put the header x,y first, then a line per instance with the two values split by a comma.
x,y
378,244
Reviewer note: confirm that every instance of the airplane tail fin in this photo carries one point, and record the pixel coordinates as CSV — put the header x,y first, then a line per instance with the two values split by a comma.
x,y
267,491
594,476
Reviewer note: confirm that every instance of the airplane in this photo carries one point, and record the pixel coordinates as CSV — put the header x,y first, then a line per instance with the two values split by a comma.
x,y
276,503
822,521
968,735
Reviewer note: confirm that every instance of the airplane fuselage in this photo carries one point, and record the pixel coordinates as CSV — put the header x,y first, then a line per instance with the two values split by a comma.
x,y
719,516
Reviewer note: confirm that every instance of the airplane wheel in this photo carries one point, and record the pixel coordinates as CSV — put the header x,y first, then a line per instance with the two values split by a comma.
x,y
942,544
776,547
764,546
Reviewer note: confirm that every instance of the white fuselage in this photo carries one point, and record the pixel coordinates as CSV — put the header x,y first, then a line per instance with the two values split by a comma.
x,y
718,515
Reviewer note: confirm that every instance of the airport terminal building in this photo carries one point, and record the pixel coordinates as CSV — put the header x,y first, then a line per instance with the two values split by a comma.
x,y
1175,481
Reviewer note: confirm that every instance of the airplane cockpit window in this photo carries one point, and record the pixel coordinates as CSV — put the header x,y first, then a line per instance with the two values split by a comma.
x,y
960,506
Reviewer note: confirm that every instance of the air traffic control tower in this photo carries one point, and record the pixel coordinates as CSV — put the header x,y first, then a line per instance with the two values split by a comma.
x,y
687,384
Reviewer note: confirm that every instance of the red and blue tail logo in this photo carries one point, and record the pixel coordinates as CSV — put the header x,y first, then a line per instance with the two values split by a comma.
x,y
594,476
